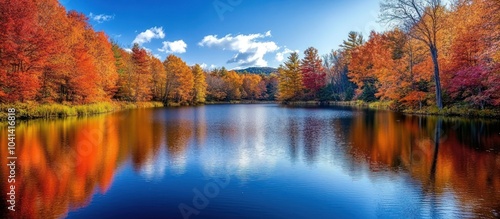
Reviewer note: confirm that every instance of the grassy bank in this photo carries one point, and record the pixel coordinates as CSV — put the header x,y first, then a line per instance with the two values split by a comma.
x,y
241,102
32,110
453,110
355,104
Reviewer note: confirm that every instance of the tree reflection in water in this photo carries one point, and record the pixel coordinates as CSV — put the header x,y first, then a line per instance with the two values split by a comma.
x,y
65,162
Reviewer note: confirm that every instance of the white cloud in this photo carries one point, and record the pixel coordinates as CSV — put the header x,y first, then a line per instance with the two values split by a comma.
x,y
250,51
206,67
101,18
280,56
178,46
149,34
128,50
237,68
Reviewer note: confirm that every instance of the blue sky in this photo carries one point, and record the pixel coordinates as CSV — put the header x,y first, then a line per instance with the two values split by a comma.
x,y
230,33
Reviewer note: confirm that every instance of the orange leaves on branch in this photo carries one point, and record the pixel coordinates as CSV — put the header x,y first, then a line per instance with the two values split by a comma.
x,y
362,63
366,63
180,80
23,44
83,80
234,81
105,65
159,78
142,79
50,55
391,64
253,86
472,71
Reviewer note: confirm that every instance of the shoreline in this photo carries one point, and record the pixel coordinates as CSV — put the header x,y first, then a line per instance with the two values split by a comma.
x,y
449,111
32,110
241,102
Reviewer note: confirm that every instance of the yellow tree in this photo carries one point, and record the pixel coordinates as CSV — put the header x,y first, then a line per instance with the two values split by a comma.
x,y
234,82
290,85
180,81
200,84
253,86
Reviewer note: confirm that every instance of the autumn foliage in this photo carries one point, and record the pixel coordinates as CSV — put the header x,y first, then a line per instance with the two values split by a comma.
x,y
180,79
49,55
313,74
398,66
24,49
224,85
291,85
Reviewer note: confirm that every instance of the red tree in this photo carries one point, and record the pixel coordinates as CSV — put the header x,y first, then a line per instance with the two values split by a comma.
x,y
314,75
23,50
478,84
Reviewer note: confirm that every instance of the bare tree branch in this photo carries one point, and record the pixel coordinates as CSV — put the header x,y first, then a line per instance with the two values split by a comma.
x,y
421,20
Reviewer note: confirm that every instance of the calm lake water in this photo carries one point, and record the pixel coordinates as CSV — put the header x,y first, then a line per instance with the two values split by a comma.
x,y
255,161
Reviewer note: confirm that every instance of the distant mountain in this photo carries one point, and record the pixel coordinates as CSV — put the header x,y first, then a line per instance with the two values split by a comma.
x,y
258,70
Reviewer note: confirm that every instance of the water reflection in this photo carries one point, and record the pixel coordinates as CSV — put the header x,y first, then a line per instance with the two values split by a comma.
x,y
438,153
61,164
452,163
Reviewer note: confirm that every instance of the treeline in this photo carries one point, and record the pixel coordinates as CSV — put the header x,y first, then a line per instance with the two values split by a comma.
x,y
224,85
448,55
143,77
49,55
436,55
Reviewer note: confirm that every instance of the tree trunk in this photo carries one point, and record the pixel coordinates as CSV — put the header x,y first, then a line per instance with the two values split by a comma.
x,y
437,140
434,54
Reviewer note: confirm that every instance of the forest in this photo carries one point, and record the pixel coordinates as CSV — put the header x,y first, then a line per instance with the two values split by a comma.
x,y
432,56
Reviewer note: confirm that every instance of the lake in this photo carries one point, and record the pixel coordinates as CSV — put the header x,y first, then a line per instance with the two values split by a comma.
x,y
255,161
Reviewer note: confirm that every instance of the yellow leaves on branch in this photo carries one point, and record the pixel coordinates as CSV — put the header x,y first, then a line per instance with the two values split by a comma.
x,y
200,84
